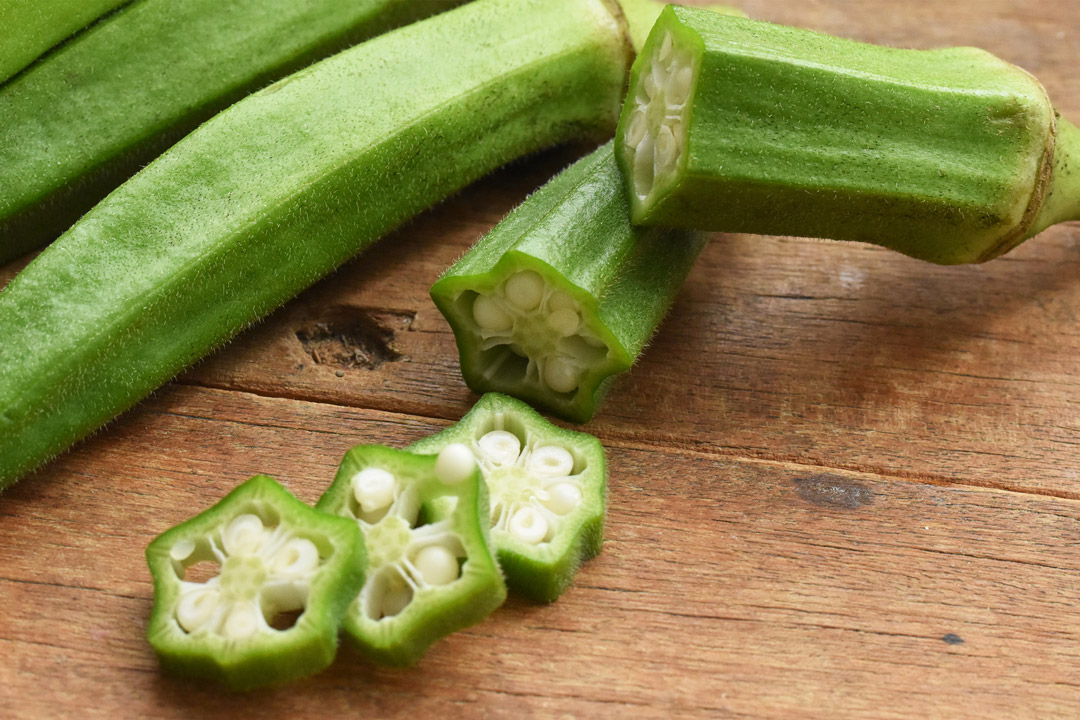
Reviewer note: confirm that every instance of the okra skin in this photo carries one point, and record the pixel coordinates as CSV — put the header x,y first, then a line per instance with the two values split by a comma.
x,y
267,657
457,511
540,571
277,191
943,155
32,27
89,116
575,233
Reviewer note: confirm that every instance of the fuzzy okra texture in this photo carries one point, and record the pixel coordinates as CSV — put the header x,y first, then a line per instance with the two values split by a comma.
x,y
430,571
272,556
281,188
87,117
547,487
950,156
564,294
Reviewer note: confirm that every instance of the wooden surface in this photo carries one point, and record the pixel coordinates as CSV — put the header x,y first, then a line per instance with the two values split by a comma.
x,y
843,483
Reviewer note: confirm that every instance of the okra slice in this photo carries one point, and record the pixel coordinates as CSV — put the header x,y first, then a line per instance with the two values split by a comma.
x,y
547,488
272,557
280,189
562,295
430,568
950,155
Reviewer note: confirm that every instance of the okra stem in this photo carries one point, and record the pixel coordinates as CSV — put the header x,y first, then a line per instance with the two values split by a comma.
x,y
1062,202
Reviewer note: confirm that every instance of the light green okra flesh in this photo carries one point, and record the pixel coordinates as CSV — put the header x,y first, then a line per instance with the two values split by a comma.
x,y
743,126
547,487
283,575
431,571
30,28
280,189
563,295
91,114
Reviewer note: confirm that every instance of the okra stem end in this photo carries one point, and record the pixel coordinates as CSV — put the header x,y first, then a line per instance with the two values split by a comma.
x,y
1062,203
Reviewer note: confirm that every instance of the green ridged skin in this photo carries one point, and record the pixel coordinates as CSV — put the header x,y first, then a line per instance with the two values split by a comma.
x,y
575,235
30,28
425,511
280,189
263,575
743,126
543,570
89,116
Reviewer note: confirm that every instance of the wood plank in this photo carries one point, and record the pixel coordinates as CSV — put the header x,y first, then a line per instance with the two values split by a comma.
x,y
727,587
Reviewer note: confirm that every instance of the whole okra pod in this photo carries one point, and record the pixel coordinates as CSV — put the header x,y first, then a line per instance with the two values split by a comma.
x,y
951,156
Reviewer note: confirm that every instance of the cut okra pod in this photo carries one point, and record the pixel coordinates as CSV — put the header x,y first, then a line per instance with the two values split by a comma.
x,y
430,568
951,156
547,488
280,189
562,295
272,557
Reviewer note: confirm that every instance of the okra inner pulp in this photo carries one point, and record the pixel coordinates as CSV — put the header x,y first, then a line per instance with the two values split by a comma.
x,y
656,136
264,571
404,556
532,334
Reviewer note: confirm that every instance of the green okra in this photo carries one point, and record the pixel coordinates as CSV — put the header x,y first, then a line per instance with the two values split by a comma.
x,y
30,28
280,189
273,556
564,294
641,15
950,155
86,118
431,571
547,487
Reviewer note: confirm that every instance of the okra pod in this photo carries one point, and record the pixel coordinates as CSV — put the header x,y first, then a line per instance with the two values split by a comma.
x,y
272,557
547,487
563,295
951,156
277,191
430,567
87,117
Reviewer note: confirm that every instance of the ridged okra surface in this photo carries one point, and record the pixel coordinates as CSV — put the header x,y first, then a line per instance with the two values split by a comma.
x,y
277,191
87,117
547,487
272,557
945,155
563,295
430,567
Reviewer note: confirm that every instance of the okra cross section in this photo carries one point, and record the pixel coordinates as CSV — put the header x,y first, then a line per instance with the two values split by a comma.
x,y
269,557
547,488
430,569
563,294
735,125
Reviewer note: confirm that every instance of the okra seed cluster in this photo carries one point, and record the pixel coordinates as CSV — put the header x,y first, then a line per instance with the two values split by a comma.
x,y
527,318
656,135
264,570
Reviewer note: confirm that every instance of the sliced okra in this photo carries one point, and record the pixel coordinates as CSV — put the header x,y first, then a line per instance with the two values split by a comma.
x,y
430,569
547,488
564,293
735,125
271,556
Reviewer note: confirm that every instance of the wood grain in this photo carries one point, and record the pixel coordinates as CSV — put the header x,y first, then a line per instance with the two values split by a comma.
x,y
843,483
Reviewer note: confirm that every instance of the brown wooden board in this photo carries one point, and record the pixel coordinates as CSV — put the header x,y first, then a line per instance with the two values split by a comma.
x,y
843,483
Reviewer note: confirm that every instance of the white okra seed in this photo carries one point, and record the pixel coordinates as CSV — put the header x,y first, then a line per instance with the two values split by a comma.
x,y
455,464
679,86
298,557
667,150
196,608
564,321
639,125
373,489
563,498
525,289
182,549
529,526
242,622
651,88
551,461
244,535
501,447
560,375
489,316
437,565
558,300
644,166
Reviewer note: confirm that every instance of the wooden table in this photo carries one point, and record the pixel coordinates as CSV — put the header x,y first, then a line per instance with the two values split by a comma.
x,y
843,483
